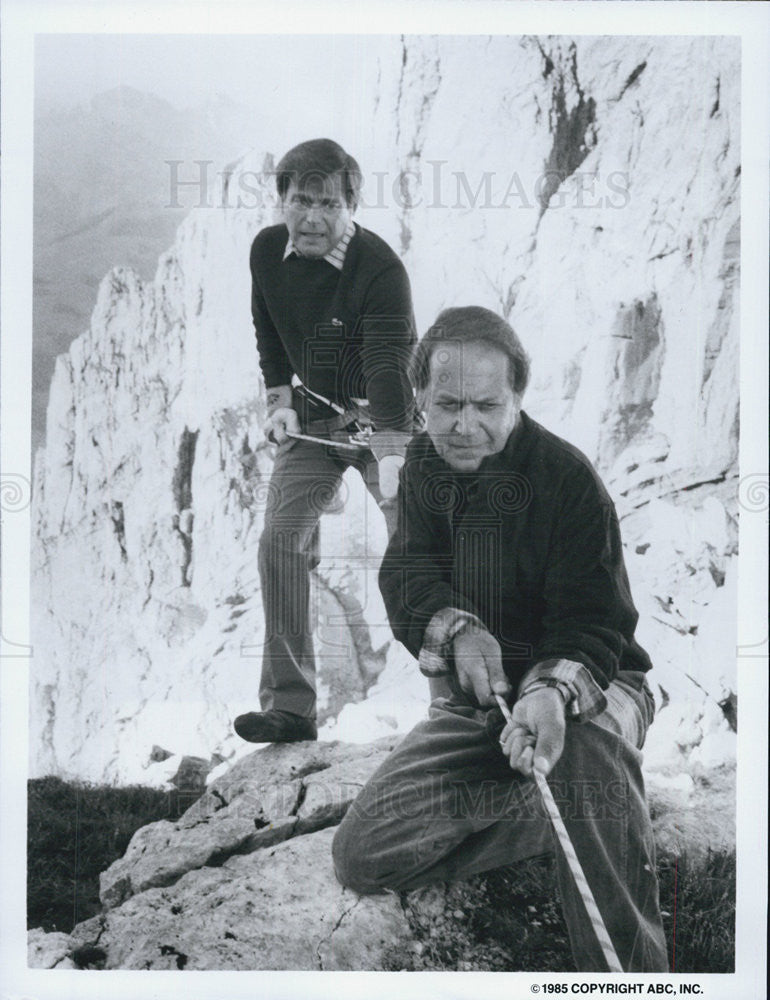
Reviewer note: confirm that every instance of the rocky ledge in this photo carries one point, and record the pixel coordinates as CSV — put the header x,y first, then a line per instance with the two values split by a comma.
x,y
244,879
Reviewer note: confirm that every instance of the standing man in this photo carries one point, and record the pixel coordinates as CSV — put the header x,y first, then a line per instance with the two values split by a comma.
x,y
332,311
506,576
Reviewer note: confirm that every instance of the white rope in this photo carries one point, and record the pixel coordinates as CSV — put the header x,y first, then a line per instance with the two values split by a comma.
x,y
575,867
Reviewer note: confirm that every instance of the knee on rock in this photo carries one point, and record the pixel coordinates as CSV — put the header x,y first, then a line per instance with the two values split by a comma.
x,y
352,862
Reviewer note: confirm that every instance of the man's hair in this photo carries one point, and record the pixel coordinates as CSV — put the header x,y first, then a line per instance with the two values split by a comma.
x,y
319,159
471,325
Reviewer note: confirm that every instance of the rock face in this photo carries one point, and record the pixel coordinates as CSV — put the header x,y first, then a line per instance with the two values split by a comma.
x,y
280,792
50,951
244,879
557,186
277,909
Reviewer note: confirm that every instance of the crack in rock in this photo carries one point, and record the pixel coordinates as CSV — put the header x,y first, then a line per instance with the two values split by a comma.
x,y
117,516
220,798
632,78
327,940
573,130
182,521
312,767
301,796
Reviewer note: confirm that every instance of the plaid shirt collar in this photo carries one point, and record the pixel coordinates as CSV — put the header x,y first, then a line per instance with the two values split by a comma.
x,y
336,256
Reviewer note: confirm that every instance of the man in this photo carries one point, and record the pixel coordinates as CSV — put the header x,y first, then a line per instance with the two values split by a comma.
x,y
333,317
506,576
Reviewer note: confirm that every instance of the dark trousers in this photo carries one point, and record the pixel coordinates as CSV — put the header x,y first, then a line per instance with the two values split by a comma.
x,y
304,484
446,805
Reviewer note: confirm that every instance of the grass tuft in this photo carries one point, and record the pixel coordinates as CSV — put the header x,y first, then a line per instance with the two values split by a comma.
x,y
74,832
698,902
510,920
503,920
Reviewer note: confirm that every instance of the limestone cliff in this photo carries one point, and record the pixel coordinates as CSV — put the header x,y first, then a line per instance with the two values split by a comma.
x,y
588,190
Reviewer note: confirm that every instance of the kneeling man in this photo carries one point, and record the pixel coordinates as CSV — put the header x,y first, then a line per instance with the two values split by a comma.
x,y
506,576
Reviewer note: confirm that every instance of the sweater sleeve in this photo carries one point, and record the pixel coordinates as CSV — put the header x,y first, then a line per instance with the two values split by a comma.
x,y
589,614
387,329
416,572
273,359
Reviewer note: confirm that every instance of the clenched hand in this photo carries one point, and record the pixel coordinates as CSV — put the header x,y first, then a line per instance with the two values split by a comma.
x,y
282,422
479,666
534,738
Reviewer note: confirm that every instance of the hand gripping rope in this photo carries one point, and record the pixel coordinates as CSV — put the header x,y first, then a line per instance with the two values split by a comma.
x,y
584,888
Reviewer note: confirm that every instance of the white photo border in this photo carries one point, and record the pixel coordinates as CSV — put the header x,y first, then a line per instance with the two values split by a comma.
x,y
21,20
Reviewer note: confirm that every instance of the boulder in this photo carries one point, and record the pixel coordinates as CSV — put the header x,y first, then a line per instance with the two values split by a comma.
x,y
269,796
244,879
277,908
49,951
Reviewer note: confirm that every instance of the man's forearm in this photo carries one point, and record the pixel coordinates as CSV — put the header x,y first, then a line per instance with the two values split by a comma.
x,y
387,329
414,587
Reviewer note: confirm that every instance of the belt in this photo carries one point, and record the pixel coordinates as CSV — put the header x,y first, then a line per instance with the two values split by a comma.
x,y
345,421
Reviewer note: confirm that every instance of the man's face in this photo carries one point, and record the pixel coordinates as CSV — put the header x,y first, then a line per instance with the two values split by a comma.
x,y
316,214
470,405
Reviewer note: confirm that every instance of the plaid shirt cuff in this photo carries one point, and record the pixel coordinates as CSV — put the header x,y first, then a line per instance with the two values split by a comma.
x,y
583,697
441,630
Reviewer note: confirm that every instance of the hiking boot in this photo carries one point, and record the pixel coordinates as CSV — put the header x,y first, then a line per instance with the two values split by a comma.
x,y
275,726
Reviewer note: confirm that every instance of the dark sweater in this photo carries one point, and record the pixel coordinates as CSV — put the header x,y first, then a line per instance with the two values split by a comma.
x,y
345,334
529,543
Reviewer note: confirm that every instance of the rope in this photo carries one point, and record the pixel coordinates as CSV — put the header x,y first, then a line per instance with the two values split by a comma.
x,y
610,955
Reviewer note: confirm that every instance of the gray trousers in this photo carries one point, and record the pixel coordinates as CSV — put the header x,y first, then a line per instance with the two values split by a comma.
x,y
446,805
304,485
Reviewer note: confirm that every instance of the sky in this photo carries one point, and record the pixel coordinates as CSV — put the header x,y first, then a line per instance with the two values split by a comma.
x,y
298,85
263,93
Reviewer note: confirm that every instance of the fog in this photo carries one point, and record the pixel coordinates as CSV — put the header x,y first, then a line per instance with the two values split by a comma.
x,y
294,85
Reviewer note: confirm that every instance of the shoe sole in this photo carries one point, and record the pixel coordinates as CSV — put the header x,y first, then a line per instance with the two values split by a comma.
x,y
252,734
